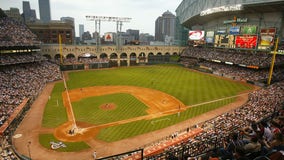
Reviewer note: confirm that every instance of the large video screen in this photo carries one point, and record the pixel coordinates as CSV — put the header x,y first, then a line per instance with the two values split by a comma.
x,y
246,41
196,35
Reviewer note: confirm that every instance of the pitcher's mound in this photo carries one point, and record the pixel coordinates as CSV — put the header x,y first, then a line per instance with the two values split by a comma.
x,y
108,106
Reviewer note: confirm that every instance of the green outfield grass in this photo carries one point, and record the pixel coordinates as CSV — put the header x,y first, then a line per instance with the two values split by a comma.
x,y
188,86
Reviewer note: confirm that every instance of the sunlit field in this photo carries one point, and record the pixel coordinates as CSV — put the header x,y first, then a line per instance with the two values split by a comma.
x,y
190,87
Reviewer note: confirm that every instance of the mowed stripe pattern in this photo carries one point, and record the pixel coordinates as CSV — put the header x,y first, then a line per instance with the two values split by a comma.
x,y
188,86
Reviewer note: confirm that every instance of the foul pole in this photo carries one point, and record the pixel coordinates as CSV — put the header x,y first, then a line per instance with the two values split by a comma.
x,y
60,48
272,62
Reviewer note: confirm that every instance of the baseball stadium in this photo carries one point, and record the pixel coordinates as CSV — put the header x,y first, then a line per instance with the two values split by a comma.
x,y
220,96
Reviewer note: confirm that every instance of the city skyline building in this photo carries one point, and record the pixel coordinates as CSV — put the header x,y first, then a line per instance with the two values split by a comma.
x,y
134,33
14,13
165,26
29,15
146,38
44,10
71,21
81,31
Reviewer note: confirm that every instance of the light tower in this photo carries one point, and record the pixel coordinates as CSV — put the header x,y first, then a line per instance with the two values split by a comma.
x,y
118,20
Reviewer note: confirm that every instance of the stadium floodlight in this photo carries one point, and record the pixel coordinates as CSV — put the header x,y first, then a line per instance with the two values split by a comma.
x,y
109,19
118,20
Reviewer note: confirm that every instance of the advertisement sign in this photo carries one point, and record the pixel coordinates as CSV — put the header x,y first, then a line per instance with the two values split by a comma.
x,y
108,37
221,31
224,41
267,36
248,30
196,35
246,41
209,39
236,20
234,30
209,36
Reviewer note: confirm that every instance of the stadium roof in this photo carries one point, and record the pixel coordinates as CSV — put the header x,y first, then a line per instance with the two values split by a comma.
x,y
247,8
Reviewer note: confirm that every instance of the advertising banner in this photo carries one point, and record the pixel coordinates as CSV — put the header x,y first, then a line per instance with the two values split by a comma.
x,y
209,39
196,35
221,31
224,41
248,29
267,36
246,41
234,30
108,37
209,36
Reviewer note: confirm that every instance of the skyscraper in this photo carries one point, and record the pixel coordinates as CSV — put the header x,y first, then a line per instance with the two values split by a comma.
x,y
28,13
81,31
165,26
44,10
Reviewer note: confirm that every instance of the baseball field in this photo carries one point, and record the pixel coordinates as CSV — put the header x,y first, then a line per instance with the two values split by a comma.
x,y
119,103
115,104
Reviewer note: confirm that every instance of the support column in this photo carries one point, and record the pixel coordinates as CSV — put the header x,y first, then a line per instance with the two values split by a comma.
x,y
128,62
118,61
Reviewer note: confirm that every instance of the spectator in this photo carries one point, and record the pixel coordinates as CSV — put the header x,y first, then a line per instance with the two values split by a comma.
x,y
230,148
253,148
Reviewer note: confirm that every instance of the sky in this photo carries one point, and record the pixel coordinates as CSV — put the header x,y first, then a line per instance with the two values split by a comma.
x,y
143,13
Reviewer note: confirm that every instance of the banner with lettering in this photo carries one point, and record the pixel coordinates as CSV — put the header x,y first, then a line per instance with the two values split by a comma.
x,y
246,41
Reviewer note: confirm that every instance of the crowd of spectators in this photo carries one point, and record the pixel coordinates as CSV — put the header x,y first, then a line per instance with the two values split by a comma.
x,y
73,60
244,58
93,60
23,81
24,76
200,57
22,36
236,72
6,152
19,58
